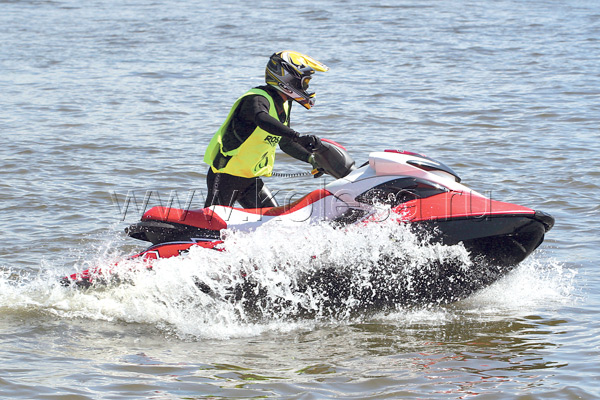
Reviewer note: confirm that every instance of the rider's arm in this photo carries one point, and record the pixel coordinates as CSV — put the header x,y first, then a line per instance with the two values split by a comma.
x,y
256,109
294,149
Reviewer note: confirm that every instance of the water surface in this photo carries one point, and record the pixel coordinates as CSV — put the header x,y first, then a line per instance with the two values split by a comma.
x,y
107,98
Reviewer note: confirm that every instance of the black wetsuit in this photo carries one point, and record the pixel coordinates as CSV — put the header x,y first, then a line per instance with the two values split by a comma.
x,y
253,111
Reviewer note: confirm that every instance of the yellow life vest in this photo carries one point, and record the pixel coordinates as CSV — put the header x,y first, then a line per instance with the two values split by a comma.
x,y
256,155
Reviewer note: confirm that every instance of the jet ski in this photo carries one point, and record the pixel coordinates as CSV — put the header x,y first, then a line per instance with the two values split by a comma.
x,y
412,189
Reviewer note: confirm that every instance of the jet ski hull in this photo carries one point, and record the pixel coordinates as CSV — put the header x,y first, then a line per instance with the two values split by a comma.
x,y
504,240
417,191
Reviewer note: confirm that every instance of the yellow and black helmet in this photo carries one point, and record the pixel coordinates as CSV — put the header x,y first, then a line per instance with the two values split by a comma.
x,y
290,72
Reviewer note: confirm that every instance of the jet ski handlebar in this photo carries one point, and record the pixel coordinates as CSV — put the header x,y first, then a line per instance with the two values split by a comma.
x,y
333,158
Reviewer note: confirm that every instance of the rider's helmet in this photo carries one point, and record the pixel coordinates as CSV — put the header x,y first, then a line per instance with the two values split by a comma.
x,y
290,72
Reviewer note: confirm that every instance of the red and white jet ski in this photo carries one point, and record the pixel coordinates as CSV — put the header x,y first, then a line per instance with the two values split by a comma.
x,y
414,189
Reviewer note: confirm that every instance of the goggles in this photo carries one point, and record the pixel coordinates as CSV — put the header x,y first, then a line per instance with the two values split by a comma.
x,y
304,83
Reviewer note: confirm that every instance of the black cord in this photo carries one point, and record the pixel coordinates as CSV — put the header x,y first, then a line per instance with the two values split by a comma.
x,y
296,175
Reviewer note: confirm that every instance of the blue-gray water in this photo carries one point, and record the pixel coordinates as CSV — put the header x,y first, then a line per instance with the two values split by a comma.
x,y
103,98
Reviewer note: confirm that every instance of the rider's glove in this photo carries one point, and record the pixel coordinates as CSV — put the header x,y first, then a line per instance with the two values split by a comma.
x,y
309,142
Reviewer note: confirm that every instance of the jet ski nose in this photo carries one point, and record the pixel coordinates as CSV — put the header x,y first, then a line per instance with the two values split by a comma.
x,y
545,219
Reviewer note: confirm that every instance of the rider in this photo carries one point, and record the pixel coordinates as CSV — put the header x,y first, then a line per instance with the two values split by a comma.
x,y
243,149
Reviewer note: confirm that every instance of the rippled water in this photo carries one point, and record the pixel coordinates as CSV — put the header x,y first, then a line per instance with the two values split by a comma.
x,y
105,99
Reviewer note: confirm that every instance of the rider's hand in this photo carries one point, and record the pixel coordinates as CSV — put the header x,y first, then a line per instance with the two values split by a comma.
x,y
309,142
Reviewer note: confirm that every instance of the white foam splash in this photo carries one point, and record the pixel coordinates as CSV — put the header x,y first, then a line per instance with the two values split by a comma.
x,y
539,280
279,259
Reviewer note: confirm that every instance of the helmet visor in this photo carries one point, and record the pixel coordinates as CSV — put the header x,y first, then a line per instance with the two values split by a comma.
x,y
303,59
